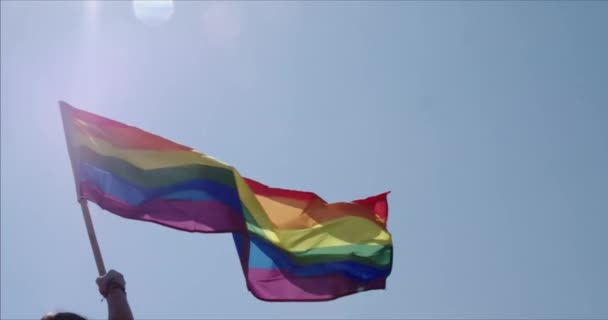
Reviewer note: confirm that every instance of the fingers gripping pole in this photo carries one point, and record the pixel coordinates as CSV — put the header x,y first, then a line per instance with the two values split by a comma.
x,y
91,232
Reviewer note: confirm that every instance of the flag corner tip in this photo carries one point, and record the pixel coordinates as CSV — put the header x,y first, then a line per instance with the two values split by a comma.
x,y
63,104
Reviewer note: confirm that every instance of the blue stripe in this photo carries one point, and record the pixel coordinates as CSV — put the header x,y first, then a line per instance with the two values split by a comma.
x,y
195,190
264,255
239,243
189,195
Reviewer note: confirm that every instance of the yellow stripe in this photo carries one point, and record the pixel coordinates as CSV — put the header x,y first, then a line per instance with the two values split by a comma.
x,y
339,232
249,200
146,159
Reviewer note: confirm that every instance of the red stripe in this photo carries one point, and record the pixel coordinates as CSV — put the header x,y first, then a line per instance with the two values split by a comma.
x,y
90,117
377,204
118,134
264,190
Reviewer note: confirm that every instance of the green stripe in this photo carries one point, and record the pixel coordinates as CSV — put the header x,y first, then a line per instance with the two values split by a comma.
x,y
378,256
155,178
367,254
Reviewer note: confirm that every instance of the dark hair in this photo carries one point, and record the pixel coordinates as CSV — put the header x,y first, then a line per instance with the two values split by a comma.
x,y
62,316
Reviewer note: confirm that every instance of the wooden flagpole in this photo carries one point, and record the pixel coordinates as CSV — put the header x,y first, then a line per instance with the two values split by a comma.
x,y
92,238
68,127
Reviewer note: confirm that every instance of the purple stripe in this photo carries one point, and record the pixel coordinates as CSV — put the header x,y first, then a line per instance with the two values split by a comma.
x,y
274,285
186,215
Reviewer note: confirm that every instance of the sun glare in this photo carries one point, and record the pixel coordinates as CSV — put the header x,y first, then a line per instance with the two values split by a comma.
x,y
154,12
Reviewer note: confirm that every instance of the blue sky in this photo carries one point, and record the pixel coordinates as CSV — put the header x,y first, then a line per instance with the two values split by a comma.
x,y
486,120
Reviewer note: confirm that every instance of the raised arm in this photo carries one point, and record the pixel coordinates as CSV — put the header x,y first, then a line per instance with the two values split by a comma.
x,y
112,287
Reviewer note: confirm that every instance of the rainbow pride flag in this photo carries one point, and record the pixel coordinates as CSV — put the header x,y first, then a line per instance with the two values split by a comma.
x,y
292,245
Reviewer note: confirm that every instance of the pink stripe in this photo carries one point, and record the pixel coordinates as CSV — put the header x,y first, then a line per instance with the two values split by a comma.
x,y
192,216
274,285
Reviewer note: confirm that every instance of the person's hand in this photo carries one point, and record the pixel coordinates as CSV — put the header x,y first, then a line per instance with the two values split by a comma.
x,y
111,281
112,287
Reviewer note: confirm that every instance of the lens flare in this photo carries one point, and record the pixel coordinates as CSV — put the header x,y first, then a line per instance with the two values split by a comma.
x,y
153,13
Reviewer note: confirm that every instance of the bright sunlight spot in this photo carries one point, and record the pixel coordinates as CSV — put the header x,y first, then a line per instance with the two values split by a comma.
x,y
153,12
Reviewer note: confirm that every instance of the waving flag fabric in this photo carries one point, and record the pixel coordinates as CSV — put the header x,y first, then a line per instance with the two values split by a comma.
x,y
292,245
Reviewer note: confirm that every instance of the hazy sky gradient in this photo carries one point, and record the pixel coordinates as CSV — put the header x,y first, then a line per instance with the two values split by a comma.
x,y
488,121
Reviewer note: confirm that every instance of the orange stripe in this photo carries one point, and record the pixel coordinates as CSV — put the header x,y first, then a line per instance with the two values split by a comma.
x,y
286,213
291,209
